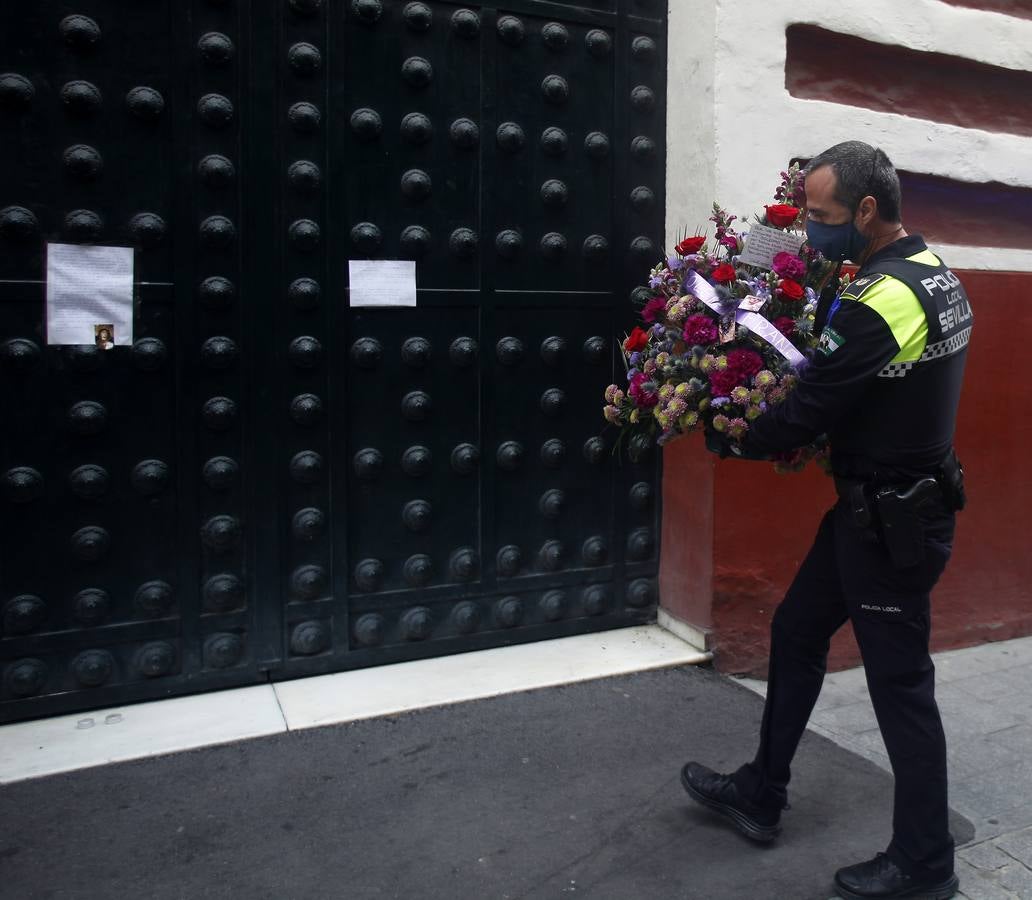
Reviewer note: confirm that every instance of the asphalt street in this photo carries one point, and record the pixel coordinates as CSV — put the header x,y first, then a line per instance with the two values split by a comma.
x,y
565,792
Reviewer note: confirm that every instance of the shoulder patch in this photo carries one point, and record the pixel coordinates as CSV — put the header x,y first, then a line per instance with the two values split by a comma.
x,y
830,340
858,288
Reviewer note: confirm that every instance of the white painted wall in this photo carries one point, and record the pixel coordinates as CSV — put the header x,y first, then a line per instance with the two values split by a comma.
x,y
732,125
691,183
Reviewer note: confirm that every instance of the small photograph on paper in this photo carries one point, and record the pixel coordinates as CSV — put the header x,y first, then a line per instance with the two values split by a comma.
x,y
89,289
727,329
752,304
104,336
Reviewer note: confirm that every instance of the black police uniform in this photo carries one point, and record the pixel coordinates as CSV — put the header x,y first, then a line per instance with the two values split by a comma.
x,y
884,386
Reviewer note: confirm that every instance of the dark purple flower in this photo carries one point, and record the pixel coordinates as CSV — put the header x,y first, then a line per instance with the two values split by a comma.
x,y
788,266
643,391
700,329
655,308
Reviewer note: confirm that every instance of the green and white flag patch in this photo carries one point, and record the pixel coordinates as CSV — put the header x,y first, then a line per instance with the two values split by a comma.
x,y
830,341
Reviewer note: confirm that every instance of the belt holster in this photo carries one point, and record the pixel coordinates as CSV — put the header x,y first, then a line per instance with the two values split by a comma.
x,y
892,516
902,531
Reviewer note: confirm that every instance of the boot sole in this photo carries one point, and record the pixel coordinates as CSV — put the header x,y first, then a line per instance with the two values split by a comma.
x,y
762,834
937,892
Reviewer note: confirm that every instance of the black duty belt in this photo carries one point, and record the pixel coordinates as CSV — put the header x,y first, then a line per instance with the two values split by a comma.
x,y
949,480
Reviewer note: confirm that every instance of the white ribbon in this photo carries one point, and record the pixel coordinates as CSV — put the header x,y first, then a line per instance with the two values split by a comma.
x,y
757,324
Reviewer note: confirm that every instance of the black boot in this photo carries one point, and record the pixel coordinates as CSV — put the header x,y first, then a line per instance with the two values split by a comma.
x,y
881,879
720,794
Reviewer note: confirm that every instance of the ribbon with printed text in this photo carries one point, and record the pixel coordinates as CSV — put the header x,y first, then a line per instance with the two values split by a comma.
x,y
744,312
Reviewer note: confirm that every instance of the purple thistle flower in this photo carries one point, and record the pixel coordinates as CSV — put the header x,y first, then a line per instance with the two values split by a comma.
x,y
758,287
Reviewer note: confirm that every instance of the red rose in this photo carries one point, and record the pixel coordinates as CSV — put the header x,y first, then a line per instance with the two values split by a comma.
x,y
744,364
781,215
636,340
792,290
786,325
722,383
724,272
690,245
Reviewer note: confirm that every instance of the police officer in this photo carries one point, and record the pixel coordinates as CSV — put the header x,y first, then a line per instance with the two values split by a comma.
x,y
883,385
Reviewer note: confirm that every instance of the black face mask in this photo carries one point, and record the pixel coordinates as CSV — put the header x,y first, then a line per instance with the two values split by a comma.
x,y
837,242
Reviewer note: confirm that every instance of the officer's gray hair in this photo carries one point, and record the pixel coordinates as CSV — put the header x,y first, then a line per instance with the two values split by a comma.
x,y
861,170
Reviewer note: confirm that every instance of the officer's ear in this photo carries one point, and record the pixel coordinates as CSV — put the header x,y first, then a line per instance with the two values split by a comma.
x,y
867,211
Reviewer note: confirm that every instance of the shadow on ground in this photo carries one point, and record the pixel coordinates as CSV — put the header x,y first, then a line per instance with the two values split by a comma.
x,y
566,792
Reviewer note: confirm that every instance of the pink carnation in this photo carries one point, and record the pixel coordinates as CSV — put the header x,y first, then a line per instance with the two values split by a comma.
x,y
655,308
744,363
700,329
642,395
788,266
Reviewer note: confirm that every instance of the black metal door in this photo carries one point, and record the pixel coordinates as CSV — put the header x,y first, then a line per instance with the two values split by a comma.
x,y
271,483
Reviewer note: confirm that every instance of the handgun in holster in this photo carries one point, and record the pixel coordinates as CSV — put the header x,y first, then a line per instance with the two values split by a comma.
x,y
902,531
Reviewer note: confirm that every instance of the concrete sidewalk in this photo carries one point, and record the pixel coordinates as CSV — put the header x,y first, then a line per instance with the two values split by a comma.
x,y
985,695
551,793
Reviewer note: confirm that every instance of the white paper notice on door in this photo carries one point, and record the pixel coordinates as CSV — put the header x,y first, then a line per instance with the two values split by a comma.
x,y
382,282
90,295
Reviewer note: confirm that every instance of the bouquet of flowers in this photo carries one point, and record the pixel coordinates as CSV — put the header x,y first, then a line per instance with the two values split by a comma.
x,y
726,329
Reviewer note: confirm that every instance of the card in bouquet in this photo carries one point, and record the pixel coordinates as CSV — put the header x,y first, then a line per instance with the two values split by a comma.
x,y
764,243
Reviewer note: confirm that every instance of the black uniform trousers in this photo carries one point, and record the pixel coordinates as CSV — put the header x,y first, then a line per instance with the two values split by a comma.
x,y
844,576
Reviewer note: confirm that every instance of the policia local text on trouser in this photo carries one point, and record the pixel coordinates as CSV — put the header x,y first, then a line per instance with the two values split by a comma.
x,y
845,576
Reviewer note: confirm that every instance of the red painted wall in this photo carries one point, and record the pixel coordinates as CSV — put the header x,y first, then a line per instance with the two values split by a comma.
x,y
763,522
686,558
